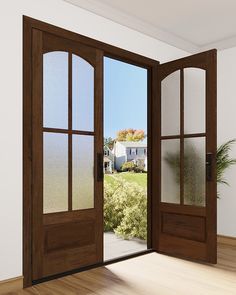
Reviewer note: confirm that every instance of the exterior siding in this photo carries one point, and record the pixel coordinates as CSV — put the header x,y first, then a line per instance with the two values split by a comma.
x,y
120,155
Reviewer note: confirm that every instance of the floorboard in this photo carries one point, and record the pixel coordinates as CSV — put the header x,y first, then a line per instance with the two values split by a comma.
x,y
151,274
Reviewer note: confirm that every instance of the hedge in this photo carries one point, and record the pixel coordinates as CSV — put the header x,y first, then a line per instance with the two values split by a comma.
x,y
125,209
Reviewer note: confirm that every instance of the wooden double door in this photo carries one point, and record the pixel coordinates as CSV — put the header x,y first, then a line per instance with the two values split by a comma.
x,y
63,152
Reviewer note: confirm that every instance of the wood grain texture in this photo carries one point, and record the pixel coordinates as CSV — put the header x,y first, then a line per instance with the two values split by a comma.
x,y
225,240
55,38
60,247
150,274
37,155
185,226
27,154
109,50
11,285
198,245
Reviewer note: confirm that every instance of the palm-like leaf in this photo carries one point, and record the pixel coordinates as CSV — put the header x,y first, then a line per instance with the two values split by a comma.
x,y
223,160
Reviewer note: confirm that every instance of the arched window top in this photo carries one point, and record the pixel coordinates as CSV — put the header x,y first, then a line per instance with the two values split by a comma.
x,y
83,59
60,73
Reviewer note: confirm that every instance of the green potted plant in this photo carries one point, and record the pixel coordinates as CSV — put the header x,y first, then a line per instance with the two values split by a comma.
x,y
224,161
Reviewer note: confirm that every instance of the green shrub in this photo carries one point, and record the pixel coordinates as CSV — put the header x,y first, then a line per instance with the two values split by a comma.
x,y
128,166
132,167
125,209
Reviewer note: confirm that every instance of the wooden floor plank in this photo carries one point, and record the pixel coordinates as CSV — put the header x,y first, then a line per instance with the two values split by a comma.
x,y
150,274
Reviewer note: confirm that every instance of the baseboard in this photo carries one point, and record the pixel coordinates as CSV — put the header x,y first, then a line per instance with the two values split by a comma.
x,y
226,240
11,285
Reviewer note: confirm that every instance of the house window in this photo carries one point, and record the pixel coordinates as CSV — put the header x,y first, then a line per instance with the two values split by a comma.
x,y
136,151
106,152
133,151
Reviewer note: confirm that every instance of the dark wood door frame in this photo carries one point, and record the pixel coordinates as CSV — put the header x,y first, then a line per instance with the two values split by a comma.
x,y
110,51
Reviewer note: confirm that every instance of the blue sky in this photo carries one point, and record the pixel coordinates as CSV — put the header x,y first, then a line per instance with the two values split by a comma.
x,y
125,97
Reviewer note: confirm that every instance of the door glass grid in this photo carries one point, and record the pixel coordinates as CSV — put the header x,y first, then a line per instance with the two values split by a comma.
x,y
68,154
183,167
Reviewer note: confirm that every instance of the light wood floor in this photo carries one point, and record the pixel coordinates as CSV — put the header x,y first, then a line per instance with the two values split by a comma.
x,y
151,274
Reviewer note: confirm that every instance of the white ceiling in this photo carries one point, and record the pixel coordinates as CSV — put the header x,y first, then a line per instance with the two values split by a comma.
x,y
192,25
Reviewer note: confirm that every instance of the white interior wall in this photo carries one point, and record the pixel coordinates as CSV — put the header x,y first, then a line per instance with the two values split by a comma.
x,y
64,15
227,130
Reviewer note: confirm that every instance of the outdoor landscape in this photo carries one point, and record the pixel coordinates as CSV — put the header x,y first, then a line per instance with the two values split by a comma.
x,y
125,186
125,158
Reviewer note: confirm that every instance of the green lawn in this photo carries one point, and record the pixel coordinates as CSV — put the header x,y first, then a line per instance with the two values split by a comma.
x,y
139,178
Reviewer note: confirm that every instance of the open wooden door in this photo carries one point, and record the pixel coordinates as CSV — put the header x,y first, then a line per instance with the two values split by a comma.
x,y
67,154
186,209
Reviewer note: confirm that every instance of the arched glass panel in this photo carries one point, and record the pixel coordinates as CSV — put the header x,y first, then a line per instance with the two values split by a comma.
x,y
82,94
170,104
55,89
194,100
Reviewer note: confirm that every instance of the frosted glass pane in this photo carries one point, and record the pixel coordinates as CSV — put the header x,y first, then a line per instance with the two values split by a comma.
x,y
82,94
83,175
170,171
194,171
55,89
55,172
170,104
194,101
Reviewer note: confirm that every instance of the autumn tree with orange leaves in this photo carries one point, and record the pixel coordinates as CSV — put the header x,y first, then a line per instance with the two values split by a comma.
x,y
130,135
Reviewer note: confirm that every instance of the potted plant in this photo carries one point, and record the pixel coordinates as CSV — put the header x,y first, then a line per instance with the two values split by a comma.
x,y
223,161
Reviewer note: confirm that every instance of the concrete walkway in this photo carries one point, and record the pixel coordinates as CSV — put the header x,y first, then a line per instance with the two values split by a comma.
x,y
115,247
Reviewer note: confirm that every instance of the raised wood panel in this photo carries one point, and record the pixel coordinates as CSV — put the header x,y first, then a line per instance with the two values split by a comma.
x,y
182,209
69,235
185,226
66,260
182,247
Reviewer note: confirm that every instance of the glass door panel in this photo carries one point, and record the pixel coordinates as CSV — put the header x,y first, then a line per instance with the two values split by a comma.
x,y
183,120
55,172
170,104
83,172
82,94
55,89
194,100
195,171
170,171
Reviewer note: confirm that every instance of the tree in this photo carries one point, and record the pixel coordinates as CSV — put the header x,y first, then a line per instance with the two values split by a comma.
x,y
109,142
130,135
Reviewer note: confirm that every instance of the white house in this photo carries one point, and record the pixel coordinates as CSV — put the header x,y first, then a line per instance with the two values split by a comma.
x,y
126,151
108,160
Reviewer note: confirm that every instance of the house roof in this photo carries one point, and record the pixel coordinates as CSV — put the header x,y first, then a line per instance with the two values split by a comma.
x,y
133,144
